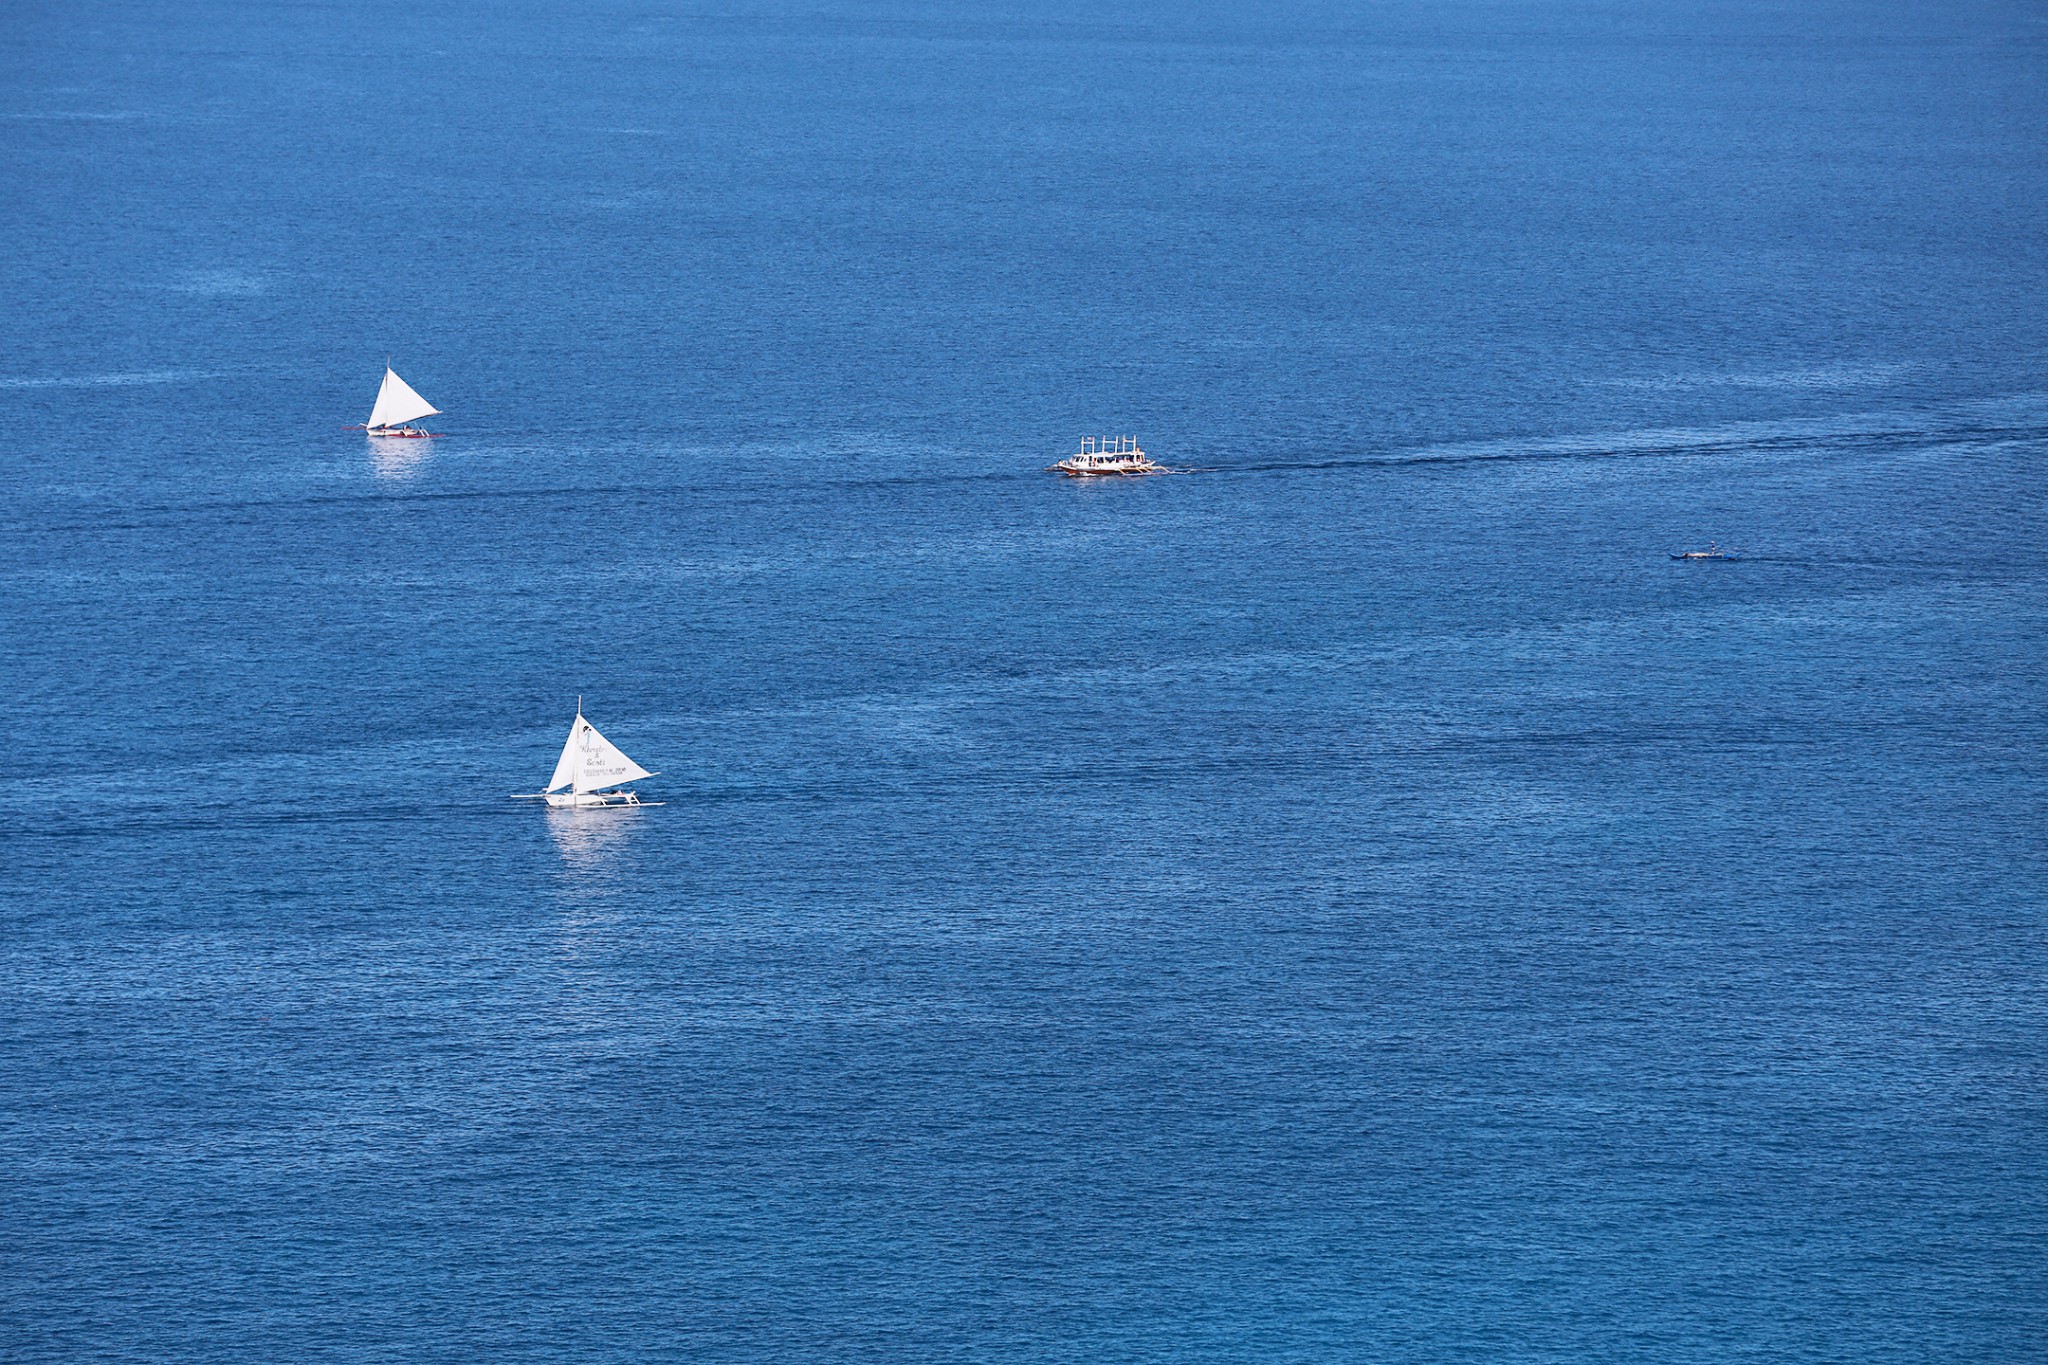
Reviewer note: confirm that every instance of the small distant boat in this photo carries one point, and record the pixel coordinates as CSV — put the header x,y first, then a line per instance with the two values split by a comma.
x,y
1712,551
590,771
398,406
1107,455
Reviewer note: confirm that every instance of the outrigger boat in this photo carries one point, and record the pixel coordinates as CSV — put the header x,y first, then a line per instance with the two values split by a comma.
x,y
1107,455
589,771
396,409
1712,551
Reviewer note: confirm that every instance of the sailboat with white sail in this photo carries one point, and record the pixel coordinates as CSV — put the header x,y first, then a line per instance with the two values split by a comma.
x,y
590,771
398,407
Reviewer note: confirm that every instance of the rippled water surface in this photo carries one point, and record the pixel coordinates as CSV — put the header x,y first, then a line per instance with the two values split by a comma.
x,y
1358,899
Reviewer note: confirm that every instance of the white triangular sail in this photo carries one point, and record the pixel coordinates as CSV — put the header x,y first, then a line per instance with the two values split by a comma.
x,y
589,762
397,404
565,766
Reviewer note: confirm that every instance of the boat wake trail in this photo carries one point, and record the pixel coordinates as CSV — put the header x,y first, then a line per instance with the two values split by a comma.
x,y
110,381
1874,434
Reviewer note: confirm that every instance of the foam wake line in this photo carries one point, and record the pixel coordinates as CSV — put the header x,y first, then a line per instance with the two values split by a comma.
x,y
2017,417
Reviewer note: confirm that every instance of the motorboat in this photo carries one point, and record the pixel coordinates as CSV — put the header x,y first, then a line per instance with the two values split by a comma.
x,y
1101,455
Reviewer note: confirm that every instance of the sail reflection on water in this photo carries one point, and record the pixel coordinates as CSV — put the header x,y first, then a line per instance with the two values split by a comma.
x,y
397,461
592,838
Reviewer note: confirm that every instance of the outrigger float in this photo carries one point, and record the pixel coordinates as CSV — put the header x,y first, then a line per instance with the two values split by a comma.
x,y
1712,551
589,772
397,408
1107,455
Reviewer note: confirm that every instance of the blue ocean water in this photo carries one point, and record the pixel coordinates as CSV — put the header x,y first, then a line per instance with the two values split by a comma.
x,y
1358,900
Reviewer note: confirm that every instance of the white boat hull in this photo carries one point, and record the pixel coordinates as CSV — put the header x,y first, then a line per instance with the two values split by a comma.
x,y
1074,471
562,799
